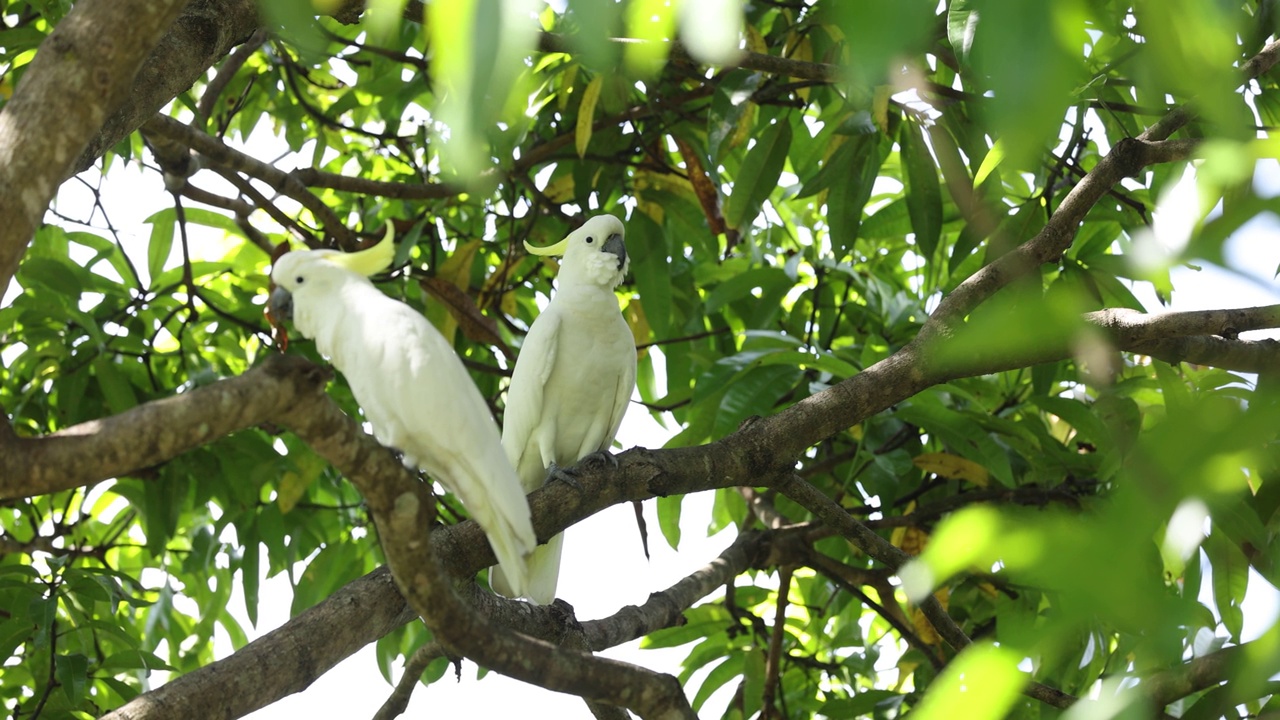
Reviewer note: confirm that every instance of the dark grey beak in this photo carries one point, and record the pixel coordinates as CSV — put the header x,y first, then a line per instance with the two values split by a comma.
x,y
280,305
615,245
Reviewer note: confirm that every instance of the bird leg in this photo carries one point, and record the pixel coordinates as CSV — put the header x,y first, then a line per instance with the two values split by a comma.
x,y
564,475
568,476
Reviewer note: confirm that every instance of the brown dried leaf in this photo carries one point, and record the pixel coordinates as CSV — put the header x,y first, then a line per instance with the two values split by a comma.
x,y
475,325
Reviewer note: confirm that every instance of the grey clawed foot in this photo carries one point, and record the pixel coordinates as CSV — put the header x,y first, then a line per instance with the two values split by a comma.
x,y
564,475
569,477
603,456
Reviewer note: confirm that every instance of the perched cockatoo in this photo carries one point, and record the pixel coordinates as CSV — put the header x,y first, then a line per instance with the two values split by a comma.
x,y
412,387
572,381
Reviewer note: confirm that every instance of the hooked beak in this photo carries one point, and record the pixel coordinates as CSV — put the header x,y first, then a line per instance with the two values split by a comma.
x,y
280,305
615,245
280,310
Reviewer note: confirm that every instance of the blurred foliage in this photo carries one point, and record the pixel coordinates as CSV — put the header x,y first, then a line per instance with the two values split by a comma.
x,y
785,232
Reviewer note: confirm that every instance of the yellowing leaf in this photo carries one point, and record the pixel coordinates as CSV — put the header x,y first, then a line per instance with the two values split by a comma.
x,y
464,314
293,484
989,163
567,79
953,467
586,114
880,107
639,324
755,41
925,629
560,190
913,540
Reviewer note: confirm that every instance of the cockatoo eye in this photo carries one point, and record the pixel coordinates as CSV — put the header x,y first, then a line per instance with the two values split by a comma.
x,y
590,239
298,279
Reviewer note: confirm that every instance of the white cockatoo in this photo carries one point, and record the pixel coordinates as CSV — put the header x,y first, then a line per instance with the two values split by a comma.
x,y
412,387
572,380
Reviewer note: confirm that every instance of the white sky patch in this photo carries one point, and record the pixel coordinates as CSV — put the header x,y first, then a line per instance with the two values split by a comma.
x,y
1186,528
1176,215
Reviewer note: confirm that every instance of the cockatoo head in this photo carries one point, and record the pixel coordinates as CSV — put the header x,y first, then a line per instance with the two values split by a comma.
x,y
594,253
302,278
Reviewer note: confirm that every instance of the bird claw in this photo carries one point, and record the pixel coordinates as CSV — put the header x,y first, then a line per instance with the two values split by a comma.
x,y
603,456
564,475
568,475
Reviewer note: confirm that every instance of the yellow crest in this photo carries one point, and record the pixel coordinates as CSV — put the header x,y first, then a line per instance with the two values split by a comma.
x,y
557,249
372,260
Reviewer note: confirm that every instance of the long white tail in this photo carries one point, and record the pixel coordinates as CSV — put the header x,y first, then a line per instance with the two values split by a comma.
x,y
543,572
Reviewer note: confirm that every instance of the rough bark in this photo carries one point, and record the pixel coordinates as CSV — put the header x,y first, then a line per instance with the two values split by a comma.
x,y
81,72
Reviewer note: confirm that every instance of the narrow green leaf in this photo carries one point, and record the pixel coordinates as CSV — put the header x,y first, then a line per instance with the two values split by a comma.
x,y
990,162
758,176
651,269
115,385
962,25
1230,571
924,192
851,190
669,519
160,244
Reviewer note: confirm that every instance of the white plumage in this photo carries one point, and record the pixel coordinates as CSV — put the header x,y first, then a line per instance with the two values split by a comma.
x,y
411,385
572,381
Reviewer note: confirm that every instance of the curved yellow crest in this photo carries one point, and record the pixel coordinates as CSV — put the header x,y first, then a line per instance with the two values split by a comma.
x,y
370,260
557,249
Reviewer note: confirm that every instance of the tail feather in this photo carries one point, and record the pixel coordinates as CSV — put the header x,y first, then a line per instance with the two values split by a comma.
x,y
502,511
513,556
541,574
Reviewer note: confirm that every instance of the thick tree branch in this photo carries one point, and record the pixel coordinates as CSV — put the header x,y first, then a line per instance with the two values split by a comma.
x,y
1210,670
153,432
380,188
205,32
75,80
1136,327
1251,356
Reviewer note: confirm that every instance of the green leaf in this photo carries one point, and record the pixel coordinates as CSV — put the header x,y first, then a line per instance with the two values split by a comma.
x,y
924,192
651,268
669,519
52,273
849,193
962,25
72,672
1230,571
758,176
983,681
161,243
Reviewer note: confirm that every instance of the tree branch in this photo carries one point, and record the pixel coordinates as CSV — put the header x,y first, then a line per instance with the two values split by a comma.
x,y
205,32
221,154
71,85
153,432
234,687
1137,328
1252,356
